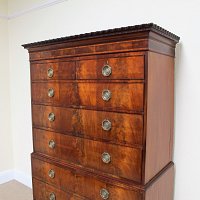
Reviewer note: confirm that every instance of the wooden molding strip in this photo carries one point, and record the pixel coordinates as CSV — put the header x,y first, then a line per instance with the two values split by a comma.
x,y
116,34
38,6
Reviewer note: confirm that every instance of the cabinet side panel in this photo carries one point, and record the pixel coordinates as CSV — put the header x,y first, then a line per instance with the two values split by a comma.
x,y
159,113
162,189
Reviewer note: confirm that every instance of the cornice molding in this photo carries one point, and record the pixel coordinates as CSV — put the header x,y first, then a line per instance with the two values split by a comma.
x,y
36,7
107,33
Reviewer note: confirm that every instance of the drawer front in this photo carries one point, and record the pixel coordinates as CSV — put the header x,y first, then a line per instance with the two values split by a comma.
x,y
103,96
53,71
112,96
107,126
83,185
119,128
63,120
42,191
111,68
123,97
54,93
115,160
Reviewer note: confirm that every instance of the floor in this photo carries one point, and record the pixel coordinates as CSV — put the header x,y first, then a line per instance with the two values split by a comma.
x,y
14,190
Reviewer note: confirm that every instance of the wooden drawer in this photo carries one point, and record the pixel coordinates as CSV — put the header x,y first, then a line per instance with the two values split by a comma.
x,y
43,191
72,182
124,162
126,129
118,67
62,93
123,96
102,107
65,119
56,71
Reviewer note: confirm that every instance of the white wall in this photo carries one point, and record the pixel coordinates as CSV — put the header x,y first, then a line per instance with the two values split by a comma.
x,y
15,6
6,154
78,16
3,8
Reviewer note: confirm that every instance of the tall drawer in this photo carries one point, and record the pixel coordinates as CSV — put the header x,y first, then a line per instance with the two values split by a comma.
x,y
124,162
72,182
119,128
130,67
103,96
53,71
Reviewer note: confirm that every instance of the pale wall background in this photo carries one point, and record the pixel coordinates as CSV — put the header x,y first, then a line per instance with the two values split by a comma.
x,y
80,16
6,155
3,8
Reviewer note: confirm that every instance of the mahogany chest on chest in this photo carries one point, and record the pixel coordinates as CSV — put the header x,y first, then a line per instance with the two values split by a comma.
x,y
103,114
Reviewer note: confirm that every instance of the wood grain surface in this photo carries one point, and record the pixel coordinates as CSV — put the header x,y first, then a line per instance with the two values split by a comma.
x,y
163,188
140,111
70,181
61,71
122,68
124,96
73,184
127,129
125,161
160,114
42,191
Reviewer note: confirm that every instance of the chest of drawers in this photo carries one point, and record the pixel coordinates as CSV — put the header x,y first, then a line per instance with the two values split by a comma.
x,y
102,112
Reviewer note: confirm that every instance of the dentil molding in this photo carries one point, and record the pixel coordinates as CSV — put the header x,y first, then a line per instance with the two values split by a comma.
x,y
38,6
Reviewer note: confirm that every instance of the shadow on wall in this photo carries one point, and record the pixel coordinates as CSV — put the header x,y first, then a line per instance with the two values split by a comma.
x,y
176,77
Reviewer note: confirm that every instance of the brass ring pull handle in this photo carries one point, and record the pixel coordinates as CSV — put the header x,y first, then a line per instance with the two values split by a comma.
x,y
51,173
106,95
50,72
106,125
106,70
52,196
104,193
52,144
51,92
51,117
106,158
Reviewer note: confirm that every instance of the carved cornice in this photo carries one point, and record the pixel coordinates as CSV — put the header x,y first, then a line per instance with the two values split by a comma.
x,y
110,32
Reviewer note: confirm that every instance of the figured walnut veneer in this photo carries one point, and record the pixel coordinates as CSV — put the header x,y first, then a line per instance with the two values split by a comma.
x,y
75,156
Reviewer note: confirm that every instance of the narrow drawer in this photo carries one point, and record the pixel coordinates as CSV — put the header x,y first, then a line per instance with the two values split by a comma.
x,y
112,96
124,162
111,68
43,191
119,128
102,96
53,71
58,119
54,93
73,182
